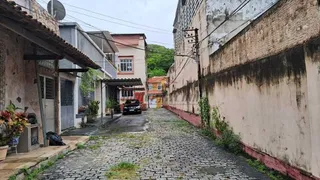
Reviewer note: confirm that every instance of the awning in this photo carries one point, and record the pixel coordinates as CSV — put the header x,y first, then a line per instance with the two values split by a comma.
x,y
134,88
154,92
12,17
123,82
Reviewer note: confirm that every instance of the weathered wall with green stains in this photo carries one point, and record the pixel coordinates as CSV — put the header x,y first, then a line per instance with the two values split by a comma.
x,y
266,83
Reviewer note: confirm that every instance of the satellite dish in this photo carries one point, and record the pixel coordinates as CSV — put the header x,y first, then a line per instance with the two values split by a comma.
x,y
57,10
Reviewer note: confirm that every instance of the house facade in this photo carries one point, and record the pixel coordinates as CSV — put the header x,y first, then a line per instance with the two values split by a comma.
x,y
31,49
156,91
264,80
96,46
132,64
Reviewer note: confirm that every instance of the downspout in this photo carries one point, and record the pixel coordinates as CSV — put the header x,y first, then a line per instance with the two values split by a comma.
x,y
44,126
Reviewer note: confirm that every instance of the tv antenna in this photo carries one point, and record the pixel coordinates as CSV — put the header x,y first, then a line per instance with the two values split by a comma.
x,y
56,9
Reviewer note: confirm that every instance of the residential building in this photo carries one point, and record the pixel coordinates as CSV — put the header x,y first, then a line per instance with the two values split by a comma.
x,y
96,46
132,64
29,63
107,44
156,91
263,78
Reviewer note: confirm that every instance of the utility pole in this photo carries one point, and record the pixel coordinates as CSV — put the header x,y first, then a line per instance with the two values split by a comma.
x,y
197,55
196,32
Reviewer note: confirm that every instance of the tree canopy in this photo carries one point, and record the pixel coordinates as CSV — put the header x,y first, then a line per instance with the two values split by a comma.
x,y
159,60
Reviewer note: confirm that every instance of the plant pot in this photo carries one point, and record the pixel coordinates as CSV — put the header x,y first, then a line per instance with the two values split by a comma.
x,y
3,152
14,141
91,119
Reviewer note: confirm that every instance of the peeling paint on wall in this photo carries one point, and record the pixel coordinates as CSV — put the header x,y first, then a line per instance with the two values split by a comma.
x,y
218,10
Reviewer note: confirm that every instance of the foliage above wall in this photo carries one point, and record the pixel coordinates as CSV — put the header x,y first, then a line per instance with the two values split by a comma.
x,y
159,60
87,82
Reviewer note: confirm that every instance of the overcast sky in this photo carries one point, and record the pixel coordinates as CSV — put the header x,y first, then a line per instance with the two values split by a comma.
x,y
158,14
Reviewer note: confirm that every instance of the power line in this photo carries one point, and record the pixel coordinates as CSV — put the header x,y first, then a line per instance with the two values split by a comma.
x,y
244,3
107,38
249,20
111,22
235,11
104,37
184,65
111,17
118,23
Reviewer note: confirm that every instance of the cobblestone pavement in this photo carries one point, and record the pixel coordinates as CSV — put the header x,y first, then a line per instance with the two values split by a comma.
x,y
169,149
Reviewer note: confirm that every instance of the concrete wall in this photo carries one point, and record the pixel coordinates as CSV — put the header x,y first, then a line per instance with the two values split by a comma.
x,y
19,76
265,81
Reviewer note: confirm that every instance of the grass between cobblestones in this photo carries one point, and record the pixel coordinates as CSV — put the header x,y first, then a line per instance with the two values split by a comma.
x,y
33,174
265,170
123,170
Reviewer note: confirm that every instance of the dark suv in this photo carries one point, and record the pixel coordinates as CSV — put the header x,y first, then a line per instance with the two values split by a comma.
x,y
132,106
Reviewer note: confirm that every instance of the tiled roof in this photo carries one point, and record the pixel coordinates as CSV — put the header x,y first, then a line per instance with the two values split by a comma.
x,y
155,92
157,79
13,12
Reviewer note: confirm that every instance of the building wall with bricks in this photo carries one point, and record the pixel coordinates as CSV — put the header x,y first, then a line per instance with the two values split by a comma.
x,y
33,8
265,82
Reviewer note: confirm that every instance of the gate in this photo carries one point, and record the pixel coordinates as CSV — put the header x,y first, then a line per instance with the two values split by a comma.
x,y
67,109
47,92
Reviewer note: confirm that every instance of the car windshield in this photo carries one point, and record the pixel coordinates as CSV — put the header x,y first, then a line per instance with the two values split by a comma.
x,y
132,102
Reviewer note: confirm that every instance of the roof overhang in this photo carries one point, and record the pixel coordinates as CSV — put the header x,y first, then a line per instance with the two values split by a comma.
x,y
13,18
108,44
123,82
153,92
134,88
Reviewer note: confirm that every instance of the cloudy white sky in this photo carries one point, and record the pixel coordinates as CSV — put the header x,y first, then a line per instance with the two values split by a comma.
x,y
155,17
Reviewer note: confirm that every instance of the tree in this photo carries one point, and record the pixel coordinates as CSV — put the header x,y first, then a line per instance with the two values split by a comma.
x,y
159,60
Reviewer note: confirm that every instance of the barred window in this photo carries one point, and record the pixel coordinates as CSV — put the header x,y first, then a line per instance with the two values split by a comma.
x,y
126,65
127,93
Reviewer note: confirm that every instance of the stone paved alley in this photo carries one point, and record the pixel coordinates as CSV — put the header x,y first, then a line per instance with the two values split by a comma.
x,y
169,149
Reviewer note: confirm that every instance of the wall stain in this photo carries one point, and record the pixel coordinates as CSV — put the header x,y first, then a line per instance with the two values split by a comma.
x,y
264,72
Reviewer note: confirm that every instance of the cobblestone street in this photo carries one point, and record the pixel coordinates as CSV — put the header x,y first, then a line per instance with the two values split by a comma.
x,y
168,149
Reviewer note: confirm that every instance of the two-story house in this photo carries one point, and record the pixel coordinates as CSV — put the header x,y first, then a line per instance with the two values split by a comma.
x,y
157,91
96,46
131,63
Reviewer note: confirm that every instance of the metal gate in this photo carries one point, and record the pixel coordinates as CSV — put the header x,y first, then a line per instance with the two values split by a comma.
x,y
47,88
67,110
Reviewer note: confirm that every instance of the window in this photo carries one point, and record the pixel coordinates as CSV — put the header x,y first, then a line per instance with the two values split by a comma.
x,y
159,87
47,87
127,93
126,65
184,2
150,86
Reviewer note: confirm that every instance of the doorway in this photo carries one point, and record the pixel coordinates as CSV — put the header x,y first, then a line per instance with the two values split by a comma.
x,y
47,92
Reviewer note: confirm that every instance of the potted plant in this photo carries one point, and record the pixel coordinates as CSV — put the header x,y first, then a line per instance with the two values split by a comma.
x,y
12,125
19,122
110,107
82,109
4,138
93,109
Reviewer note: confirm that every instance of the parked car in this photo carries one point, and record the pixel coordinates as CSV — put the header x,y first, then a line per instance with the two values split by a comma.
x,y
132,106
